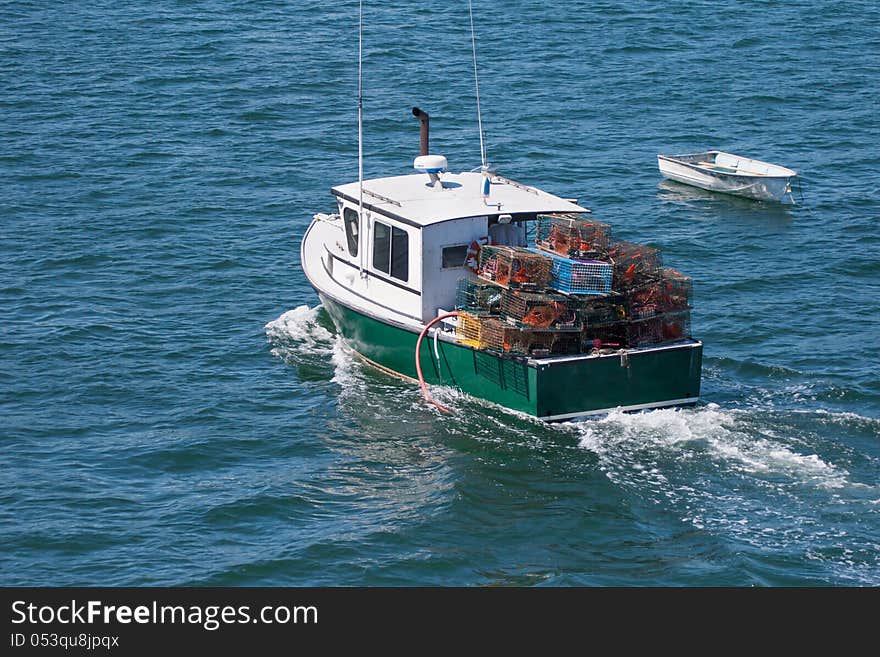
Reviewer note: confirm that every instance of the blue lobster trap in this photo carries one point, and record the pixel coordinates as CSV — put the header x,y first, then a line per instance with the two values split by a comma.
x,y
579,276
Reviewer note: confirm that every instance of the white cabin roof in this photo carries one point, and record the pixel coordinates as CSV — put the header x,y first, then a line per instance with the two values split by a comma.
x,y
412,198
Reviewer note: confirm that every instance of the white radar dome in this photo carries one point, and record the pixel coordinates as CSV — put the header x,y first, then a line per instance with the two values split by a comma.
x,y
430,163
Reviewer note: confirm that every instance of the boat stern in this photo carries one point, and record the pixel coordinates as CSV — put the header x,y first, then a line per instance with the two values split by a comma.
x,y
630,380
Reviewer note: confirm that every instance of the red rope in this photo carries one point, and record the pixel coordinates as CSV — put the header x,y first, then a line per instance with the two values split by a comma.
x,y
425,392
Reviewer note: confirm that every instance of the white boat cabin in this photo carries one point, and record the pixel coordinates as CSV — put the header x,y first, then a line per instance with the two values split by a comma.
x,y
404,257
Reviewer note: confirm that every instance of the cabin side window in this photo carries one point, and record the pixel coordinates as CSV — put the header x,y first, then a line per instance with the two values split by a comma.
x,y
453,256
399,254
350,218
391,250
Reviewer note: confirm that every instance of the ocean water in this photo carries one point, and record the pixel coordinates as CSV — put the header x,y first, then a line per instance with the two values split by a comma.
x,y
175,408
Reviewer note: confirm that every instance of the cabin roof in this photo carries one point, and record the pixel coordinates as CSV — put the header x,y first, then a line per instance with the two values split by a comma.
x,y
413,200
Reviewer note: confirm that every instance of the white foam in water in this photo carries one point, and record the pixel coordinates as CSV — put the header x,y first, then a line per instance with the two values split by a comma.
x,y
726,472
710,431
299,329
845,417
297,334
343,362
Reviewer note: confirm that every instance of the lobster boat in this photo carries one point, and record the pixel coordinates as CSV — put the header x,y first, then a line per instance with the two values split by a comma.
x,y
499,289
503,291
718,171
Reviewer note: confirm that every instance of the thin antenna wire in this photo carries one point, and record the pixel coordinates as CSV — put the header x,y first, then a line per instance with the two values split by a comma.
x,y
360,132
477,85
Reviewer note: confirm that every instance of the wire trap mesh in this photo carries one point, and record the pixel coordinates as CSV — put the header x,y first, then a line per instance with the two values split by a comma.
x,y
539,311
471,329
679,290
671,292
660,329
580,276
483,332
540,344
572,235
514,267
634,264
478,297
600,310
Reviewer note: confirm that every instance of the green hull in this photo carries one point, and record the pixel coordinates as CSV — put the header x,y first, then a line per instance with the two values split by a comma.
x,y
554,389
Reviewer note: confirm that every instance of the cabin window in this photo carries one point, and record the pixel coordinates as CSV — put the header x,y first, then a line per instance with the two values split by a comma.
x,y
399,254
350,217
391,250
382,247
454,256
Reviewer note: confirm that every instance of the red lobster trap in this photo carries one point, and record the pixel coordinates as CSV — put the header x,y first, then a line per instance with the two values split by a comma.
x,y
572,235
540,344
645,332
514,267
634,264
671,292
668,327
678,290
539,311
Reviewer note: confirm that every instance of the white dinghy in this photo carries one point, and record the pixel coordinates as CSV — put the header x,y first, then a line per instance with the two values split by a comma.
x,y
718,171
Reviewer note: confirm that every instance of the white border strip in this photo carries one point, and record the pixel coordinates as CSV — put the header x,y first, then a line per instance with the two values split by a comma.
x,y
690,343
635,407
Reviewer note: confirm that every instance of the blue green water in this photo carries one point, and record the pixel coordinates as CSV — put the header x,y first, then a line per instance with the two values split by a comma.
x,y
175,409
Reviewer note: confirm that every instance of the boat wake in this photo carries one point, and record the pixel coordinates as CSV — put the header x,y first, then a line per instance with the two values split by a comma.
x,y
304,337
299,328
709,434
299,338
735,473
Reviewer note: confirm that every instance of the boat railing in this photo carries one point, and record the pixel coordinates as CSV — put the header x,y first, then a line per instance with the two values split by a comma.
x,y
384,199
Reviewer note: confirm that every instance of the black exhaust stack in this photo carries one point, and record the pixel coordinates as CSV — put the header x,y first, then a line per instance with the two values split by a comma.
x,y
423,130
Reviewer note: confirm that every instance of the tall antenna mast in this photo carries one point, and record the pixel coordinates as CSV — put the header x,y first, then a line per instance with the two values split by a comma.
x,y
477,85
361,220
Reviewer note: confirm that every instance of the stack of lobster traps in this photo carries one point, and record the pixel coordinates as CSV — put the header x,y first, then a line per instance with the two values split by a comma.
x,y
651,308
576,292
